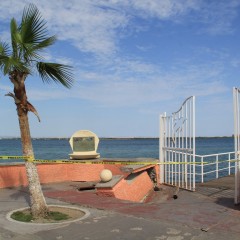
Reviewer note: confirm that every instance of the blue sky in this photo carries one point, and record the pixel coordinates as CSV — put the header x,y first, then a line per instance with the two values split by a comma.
x,y
133,60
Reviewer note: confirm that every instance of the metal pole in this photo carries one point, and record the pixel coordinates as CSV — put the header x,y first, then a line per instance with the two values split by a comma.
x,y
187,143
193,137
236,143
161,145
229,164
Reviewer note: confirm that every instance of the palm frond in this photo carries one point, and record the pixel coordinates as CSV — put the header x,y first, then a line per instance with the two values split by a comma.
x,y
33,50
32,28
4,49
59,73
14,32
28,40
9,63
33,34
45,43
3,63
4,55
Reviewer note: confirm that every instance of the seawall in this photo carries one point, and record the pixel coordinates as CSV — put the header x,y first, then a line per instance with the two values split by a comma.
x,y
14,174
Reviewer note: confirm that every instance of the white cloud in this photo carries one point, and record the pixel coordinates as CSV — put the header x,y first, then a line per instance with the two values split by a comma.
x,y
49,93
217,16
164,9
128,88
89,27
10,9
97,26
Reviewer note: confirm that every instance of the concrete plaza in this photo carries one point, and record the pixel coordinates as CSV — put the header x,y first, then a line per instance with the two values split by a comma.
x,y
209,213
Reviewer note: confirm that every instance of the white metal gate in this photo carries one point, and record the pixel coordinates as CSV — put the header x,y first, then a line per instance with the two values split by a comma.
x,y
236,106
177,146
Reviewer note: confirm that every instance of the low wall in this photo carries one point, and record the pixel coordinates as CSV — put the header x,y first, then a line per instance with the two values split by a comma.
x,y
14,175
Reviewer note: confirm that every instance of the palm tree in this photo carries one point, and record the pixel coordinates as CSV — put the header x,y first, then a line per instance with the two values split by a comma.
x,y
23,59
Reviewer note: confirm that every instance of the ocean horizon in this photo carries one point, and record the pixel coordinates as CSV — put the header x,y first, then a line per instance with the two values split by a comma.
x,y
110,147
3,137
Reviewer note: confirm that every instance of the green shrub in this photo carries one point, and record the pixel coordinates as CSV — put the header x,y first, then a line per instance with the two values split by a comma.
x,y
22,217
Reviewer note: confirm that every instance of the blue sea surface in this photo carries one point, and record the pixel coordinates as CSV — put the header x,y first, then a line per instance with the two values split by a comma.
x,y
214,145
60,148
113,148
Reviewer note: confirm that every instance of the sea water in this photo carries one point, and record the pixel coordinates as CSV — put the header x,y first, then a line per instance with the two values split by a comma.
x,y
50,148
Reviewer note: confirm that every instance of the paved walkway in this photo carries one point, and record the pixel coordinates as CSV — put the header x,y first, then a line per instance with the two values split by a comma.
x,y
208,213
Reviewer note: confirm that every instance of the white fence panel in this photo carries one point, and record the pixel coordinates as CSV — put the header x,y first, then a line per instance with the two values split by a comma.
x,y
177,146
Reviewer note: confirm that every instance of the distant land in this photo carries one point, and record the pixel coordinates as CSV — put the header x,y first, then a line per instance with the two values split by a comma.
x,y
107,138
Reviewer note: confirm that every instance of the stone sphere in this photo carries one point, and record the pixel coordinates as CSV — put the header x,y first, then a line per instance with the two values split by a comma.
x,y
106,175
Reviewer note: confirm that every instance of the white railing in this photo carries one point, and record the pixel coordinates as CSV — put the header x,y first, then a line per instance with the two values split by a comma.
x,y
208,167
214,166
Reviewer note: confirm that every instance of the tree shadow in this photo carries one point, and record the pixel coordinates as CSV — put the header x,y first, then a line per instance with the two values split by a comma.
x,y
7,179
21,192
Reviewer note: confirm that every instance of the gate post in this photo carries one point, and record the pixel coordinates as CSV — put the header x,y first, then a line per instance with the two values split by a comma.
x,y
161,146
236,143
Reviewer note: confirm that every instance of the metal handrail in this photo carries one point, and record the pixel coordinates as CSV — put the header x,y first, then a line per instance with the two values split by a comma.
x,y
217,162
210,155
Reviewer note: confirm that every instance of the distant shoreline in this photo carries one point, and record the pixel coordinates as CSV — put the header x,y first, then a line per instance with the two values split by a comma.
x,y
102,138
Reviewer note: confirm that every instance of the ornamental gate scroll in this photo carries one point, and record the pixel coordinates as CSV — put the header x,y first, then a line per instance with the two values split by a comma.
x,y
177,146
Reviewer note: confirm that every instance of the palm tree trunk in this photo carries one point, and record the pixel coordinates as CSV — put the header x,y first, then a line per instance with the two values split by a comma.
x,y
37,201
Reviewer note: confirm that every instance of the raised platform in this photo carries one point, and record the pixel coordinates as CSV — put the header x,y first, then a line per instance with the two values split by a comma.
x,y
132,180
